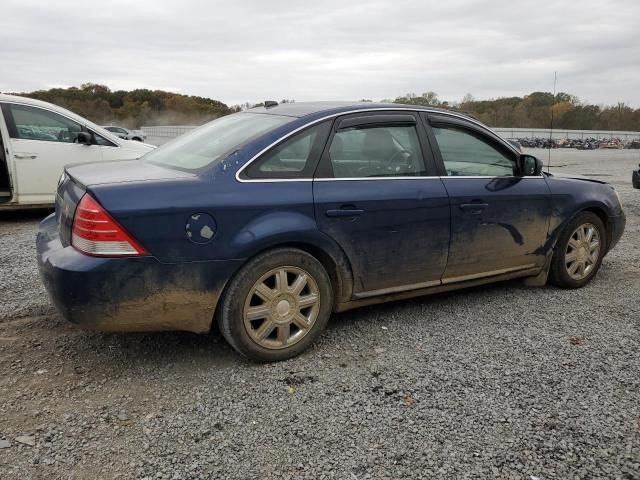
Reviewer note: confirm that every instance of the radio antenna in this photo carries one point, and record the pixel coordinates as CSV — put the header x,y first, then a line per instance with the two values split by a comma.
x,y
553,104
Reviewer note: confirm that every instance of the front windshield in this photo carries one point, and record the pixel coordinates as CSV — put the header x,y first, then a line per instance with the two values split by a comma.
x,y
213,141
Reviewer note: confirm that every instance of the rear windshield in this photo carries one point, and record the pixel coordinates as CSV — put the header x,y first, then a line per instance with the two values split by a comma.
x,y
213,141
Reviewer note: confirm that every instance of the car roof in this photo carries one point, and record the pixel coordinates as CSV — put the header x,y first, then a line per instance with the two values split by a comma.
x,y
302,109
327,109
37,103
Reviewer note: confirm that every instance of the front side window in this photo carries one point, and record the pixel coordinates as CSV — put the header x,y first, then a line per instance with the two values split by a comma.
x,y
215,140
464,154
33,123
376,151
293,158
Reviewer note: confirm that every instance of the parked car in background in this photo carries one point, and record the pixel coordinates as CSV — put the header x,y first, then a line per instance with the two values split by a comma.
x,y
126,134
270,219
38,139
611,144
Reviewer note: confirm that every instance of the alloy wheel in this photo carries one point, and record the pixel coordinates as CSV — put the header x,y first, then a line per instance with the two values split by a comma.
x,y
281,307
583,251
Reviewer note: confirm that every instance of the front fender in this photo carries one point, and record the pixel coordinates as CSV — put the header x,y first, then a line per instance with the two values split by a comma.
x,y
571,196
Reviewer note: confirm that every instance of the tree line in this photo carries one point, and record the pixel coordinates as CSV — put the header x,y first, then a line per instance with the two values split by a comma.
x,y
133,108
156,107
536,110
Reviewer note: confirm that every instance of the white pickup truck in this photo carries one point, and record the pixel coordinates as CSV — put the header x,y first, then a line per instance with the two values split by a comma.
x,y
37,139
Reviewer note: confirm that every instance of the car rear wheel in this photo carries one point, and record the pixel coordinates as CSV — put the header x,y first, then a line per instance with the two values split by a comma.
x,y
276,305
579,251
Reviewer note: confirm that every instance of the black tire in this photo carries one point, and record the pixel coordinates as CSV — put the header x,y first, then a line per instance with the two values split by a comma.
x,y
635,178
230,312
136,139
559,274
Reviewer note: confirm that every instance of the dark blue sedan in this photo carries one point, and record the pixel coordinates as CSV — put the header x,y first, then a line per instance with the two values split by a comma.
x,y
268,220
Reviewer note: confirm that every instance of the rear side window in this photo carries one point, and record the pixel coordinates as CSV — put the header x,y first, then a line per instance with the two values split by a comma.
x,y
296,157
465,154
215,140
376,151
33,123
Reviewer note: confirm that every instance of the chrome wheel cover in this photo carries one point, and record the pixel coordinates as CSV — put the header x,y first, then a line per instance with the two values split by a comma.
x,y
281,307
583,251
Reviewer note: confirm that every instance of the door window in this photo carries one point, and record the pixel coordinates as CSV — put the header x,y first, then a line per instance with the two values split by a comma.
x,y
376,151
293,158
465,154
34,123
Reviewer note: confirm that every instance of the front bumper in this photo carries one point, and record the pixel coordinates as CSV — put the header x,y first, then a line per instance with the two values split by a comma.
x,y
129,294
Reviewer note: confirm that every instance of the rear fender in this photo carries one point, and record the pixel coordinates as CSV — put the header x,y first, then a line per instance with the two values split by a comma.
x,y
292,229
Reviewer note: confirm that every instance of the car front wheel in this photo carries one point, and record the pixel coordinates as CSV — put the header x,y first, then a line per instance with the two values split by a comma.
x,y
579,251
276,305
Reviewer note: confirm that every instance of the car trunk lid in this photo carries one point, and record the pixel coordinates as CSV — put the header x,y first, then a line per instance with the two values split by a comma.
x,y
79,178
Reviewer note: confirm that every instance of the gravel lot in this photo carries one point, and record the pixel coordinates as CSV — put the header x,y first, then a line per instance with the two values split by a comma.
x,y
495,382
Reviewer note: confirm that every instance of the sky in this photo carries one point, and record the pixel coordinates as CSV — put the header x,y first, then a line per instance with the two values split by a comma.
x,y
252,50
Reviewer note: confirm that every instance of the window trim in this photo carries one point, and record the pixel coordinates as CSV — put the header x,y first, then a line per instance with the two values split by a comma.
x,y
312,162
372,119
436,120
424,132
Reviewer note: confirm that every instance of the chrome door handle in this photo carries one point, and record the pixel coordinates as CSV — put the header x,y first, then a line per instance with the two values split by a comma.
x,y
26,155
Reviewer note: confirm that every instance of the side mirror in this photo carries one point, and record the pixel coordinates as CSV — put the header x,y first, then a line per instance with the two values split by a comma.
x,y
530,166
85,138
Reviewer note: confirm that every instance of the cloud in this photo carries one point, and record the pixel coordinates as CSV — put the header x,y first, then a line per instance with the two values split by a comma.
x,y
240,51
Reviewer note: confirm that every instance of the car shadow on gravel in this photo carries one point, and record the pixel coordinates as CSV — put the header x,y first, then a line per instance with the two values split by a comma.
x,y
36,214
39,339
160,349
211,350
397,310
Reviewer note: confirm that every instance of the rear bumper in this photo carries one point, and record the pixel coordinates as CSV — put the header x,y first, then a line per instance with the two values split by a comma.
x,y
129,294
617,224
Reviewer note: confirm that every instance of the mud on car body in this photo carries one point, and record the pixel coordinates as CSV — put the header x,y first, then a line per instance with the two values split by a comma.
x,y
266,221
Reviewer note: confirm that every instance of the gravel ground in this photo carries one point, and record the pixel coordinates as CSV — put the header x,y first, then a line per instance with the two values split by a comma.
x,y
21,292
495,382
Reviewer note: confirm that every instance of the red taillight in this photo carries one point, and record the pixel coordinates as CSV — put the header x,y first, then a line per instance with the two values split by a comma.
x,y
95,232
